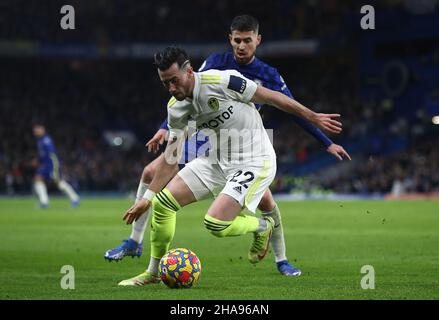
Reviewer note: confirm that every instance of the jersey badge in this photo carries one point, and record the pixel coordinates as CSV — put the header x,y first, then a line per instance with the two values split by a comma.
x,y
213,104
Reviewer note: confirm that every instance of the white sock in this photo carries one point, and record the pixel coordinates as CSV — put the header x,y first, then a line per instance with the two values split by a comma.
x,y
153,265
277,239
41,190
68,190
139,226
141,190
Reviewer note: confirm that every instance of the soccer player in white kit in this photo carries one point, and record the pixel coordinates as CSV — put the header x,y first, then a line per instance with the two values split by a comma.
x,y
235,172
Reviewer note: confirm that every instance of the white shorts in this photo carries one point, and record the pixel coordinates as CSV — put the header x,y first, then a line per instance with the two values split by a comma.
x,y
246,183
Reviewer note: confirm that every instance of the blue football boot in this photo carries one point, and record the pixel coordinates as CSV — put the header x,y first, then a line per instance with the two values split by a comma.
x,y
75,203
287,269
127,248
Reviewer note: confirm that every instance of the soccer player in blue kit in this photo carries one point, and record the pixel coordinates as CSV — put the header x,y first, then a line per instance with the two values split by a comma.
x,y
49,169
244,39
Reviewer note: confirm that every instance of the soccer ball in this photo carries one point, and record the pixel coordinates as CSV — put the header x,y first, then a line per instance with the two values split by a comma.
x,y
180,268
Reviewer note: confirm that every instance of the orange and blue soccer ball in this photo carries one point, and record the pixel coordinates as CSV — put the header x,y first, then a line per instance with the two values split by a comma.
x,y
180,268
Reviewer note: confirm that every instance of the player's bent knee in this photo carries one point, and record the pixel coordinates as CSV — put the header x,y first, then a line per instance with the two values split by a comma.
x,y
162,210
164,204
267,202
217,227
148,174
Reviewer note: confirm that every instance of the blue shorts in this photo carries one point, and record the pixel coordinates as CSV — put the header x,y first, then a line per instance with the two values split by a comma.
x,y
49,172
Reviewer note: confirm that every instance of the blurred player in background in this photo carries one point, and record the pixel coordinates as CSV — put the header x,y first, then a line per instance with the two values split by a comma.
x,y
244,39
49,169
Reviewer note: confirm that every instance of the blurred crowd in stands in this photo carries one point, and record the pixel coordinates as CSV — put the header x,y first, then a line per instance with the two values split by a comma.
x,y
151,21
120,21
415,169
77,103
79,100
412,170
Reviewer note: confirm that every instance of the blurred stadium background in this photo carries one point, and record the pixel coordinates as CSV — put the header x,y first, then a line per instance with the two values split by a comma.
x,y
96,83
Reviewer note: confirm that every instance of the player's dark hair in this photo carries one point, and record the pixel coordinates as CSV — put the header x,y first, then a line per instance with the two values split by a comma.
x,y
38,123
245,22
164,59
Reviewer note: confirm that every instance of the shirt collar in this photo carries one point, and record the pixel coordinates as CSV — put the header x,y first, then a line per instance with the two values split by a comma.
x,y
196,91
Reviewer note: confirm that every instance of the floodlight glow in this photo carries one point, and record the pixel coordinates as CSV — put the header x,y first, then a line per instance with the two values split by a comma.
x,y
117,141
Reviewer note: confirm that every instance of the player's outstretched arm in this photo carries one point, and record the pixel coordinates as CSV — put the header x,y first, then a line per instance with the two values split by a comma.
x,y
320,120
166,167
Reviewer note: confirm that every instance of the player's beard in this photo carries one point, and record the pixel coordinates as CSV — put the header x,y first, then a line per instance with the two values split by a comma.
x,y
180,96
243,59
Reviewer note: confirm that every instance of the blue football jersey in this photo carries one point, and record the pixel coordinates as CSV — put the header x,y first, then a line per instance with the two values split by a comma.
x,y
258,71
265,75
46,150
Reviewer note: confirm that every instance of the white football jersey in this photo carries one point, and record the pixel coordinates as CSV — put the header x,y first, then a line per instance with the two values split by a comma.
x,y
222,110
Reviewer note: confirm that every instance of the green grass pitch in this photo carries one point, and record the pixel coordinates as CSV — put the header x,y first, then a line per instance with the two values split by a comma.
x,y
329,241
